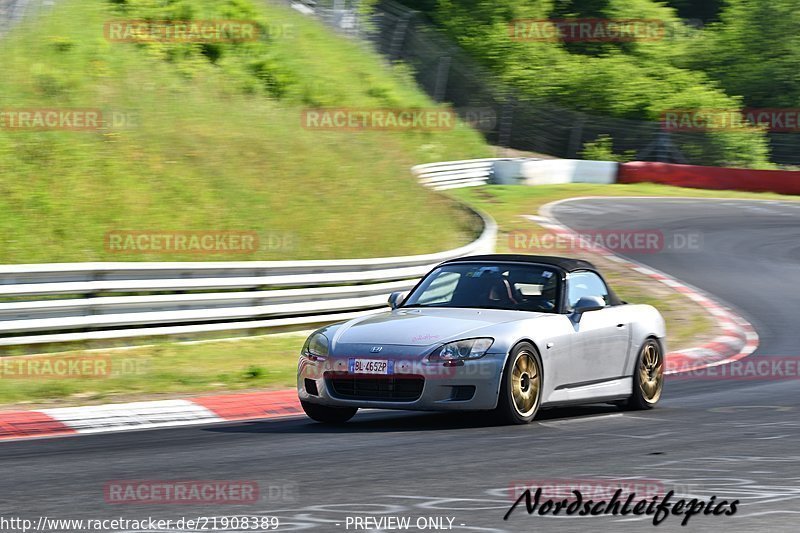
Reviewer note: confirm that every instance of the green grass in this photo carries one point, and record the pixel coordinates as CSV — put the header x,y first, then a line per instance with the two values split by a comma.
x,y
162,370
217,145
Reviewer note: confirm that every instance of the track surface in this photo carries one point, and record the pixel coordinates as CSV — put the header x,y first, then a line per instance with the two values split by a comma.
x,y
733,439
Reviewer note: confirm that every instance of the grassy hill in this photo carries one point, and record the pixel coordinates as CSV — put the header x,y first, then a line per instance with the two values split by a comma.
x,y
216,143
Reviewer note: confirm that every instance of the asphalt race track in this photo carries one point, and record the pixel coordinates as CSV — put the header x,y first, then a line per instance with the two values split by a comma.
x,y
730,438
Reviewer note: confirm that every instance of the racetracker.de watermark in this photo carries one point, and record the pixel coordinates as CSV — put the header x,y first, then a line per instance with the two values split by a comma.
x,y
51,119
381,119
480,118
34,119
181,492
199,491
395,369
208,242
751,368
647,241
593,30
41,367
181,31
748,120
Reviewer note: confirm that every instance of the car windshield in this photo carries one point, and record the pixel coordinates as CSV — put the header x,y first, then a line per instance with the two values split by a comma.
x,y
519,287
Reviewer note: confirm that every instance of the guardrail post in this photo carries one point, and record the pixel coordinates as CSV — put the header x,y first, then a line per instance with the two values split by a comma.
x,y
399,35
442,75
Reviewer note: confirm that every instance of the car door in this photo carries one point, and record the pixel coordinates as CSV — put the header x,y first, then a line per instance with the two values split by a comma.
x,y
601,337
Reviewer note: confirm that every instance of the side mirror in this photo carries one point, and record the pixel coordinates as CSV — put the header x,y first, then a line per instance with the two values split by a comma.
x,y
396,298
586,304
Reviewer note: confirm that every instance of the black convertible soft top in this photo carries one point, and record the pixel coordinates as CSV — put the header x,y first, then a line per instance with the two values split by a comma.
x,y
565,263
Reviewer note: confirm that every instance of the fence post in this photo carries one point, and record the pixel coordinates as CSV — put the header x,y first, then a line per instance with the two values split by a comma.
x,y
399,35
663,150
506,123
442,75
575,137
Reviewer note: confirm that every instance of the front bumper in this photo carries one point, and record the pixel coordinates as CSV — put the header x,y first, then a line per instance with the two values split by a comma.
x,y
414,385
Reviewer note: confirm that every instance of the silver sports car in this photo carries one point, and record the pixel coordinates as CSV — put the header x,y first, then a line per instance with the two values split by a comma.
x,y
510,333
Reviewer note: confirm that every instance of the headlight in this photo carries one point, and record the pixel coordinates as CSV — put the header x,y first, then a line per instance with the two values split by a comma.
x,y
466,349
316,345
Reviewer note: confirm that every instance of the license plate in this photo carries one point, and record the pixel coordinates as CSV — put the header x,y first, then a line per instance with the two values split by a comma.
x,y
370,366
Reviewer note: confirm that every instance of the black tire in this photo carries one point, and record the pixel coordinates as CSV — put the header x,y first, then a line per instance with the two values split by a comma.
x,y
520,410
327,414
648,377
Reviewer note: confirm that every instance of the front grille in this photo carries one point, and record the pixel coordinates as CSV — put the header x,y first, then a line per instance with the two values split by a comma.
x,y
406,388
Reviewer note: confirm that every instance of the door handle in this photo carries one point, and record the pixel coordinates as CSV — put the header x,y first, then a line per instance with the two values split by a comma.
x,y
620,325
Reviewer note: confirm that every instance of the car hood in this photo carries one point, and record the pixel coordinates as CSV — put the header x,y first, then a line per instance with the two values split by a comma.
x,y
423,327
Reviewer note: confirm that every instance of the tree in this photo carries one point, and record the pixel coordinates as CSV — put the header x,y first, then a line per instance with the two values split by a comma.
x,y
754,52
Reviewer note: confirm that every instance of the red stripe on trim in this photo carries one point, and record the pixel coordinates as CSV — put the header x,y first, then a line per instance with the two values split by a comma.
x,y
19,424
252,405
720,347
677,361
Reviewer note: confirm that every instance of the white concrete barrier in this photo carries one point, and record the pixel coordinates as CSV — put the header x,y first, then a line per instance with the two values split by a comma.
x,y
511,171
559,171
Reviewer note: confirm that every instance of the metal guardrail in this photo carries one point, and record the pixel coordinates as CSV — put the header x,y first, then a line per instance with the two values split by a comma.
x,y
474,172
123,300
455,174
13,11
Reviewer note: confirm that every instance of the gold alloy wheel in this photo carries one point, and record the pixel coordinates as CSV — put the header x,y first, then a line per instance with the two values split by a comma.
x,y
525,382
651,372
